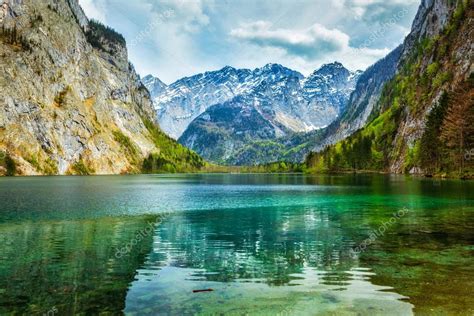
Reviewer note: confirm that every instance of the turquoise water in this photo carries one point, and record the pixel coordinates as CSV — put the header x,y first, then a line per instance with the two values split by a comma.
x,y
264,245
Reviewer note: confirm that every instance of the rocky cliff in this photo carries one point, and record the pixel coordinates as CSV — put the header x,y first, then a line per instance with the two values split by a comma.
x,y
422,121
362,101
437,61
70,102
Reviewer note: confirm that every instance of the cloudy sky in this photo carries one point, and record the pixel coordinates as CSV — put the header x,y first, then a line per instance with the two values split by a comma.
x,y
175,38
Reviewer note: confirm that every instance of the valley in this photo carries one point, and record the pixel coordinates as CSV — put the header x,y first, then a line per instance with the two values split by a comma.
x,y
221,113
228,157
98,116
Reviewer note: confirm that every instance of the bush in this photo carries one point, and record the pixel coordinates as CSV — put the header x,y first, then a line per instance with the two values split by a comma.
x,y
81,169
441,78
8,163
127,145
432,69
99,34
50,167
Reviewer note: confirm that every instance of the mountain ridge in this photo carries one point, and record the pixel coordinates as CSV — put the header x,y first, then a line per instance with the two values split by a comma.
x,y
422,123
71,103
188,97
287,101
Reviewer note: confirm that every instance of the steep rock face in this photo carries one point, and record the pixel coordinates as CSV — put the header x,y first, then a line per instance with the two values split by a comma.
x,y
422,122
429,21
79,14
367,92
284,98
66,106
444,31
363,101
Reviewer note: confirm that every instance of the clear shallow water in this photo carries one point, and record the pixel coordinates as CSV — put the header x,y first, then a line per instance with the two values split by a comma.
x,y
265,244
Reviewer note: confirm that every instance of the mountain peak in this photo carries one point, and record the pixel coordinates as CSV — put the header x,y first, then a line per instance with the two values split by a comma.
x,y
334,64
277,69
272,66
154,85
228,68
331,67
150,77
225,71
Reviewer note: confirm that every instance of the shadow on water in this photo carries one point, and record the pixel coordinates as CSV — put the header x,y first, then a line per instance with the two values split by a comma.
x,y
70,267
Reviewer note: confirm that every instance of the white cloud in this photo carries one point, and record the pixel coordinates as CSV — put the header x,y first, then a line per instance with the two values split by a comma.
x,y
190,15
361,58
204,35
310,43
93,10
360,8
307,48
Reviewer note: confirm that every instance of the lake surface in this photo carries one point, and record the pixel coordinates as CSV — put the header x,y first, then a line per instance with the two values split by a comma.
x,y
264,245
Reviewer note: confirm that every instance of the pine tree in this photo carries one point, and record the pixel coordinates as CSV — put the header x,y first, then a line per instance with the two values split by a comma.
x,y
431,146
458,130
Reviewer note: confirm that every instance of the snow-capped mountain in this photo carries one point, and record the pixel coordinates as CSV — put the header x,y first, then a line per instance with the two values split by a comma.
x,y
154,85
295,103
331,85
218,113
182,101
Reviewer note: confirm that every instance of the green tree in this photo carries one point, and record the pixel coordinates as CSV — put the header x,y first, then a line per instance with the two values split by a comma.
x,y
431,145
458,129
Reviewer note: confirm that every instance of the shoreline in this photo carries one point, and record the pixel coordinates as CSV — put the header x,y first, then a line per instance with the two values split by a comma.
x,y
340,173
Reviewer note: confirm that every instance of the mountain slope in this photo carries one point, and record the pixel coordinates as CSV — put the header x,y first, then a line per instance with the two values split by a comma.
x,y
222,129
154,85
285,101
423,121
328,88
355,109
70,101
364,98
182,101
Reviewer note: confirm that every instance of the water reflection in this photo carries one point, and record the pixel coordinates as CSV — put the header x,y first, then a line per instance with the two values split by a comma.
x,y
297,258
266,244
69,267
